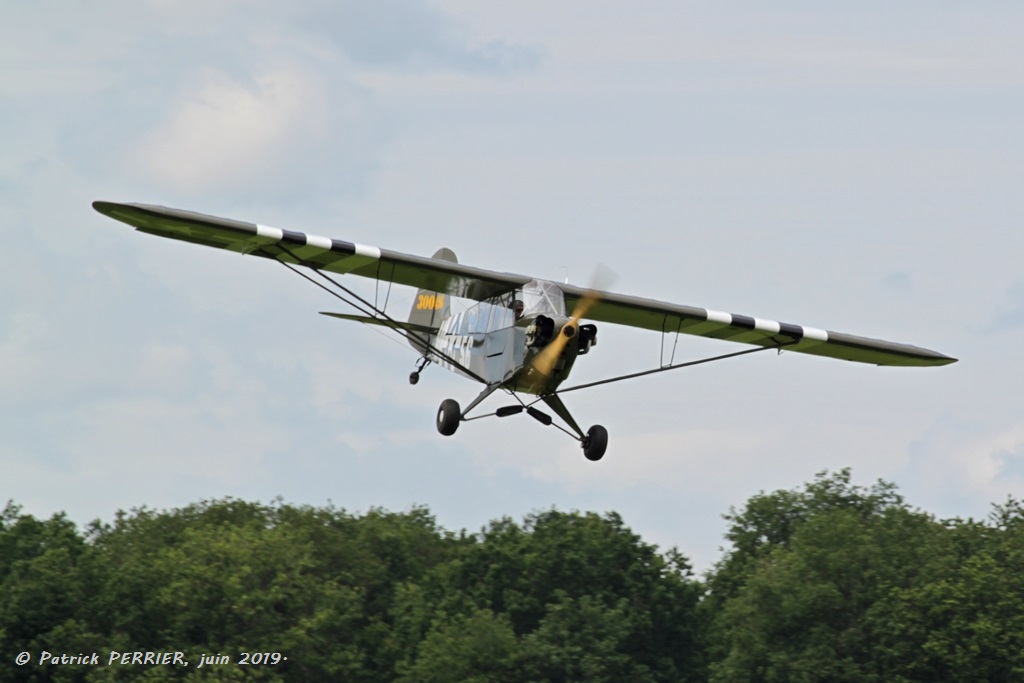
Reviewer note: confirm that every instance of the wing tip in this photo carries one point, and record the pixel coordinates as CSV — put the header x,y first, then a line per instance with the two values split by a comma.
x,y
926,358
117,210
106,208
934,358
931,359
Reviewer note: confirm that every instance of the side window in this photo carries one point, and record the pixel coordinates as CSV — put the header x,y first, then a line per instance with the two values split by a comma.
x,y
495,313
504,317
486,316
473,320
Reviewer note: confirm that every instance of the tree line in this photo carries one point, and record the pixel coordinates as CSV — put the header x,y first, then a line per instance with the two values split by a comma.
x,y
827,582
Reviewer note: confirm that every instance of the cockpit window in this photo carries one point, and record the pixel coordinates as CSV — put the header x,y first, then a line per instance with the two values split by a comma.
x,y
535,298
542,298
495,313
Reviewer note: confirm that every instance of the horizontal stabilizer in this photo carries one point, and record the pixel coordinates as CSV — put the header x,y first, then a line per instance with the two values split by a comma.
x,y
393,324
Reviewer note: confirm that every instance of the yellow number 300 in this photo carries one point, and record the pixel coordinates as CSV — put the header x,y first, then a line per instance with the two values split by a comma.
x,y
430,302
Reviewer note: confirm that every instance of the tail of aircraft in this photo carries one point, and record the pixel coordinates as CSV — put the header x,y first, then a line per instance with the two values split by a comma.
x,y
430,308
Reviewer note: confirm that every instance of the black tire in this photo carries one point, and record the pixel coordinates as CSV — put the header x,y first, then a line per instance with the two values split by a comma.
x,y
414,377
449,415
595,443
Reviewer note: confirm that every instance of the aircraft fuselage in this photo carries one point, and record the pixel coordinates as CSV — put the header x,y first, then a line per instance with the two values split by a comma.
x,y
492,342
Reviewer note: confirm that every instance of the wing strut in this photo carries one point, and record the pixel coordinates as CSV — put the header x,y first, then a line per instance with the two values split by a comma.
x,y
367,308
673,367
553,401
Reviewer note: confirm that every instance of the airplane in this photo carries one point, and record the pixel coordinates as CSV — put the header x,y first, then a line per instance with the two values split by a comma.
x,y
522,336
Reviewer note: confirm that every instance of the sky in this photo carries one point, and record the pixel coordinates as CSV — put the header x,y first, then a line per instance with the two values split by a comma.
x,y
851,167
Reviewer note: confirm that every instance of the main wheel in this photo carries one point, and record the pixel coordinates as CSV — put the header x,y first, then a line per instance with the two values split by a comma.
x,y
595,443
414,377
448,416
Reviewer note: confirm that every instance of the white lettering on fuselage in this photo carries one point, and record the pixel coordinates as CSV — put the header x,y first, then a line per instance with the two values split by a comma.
x,y
459,348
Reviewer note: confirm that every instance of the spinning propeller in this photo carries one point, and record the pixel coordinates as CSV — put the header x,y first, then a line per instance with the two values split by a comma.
x,y
544,362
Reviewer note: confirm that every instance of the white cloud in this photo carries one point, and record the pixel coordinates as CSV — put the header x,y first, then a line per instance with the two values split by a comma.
x,y
960,468
227,134
985,463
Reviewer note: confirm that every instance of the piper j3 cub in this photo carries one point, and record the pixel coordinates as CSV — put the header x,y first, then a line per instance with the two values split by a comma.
x,y
523,335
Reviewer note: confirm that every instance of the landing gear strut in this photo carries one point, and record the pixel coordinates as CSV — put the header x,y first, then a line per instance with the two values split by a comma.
x,y
414,376
594,442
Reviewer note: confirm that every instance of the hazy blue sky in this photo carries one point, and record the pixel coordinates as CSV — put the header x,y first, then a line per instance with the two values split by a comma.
x,y
857,169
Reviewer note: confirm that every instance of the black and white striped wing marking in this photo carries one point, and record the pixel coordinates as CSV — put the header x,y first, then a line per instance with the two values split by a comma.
x,y
339,256
313,251
671,318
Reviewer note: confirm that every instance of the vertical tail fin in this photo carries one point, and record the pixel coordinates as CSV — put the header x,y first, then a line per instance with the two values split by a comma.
x,y
430,308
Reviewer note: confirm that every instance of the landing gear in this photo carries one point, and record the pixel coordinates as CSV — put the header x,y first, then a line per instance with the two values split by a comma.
x,y
414,376
595,443
448,417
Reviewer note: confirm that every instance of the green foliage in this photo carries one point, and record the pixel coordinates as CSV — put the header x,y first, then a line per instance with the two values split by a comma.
x,y
843,583
215,577
375,597
582,595
964,621
829,582
479,647
45,580
585,639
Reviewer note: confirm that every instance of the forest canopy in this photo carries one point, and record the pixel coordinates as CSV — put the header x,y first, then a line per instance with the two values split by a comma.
x,y
827,582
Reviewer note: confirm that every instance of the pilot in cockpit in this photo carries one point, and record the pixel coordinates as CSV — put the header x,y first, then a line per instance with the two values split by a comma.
x,y
517,306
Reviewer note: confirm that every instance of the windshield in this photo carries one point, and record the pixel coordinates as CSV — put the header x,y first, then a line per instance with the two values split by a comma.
x,y
543,298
